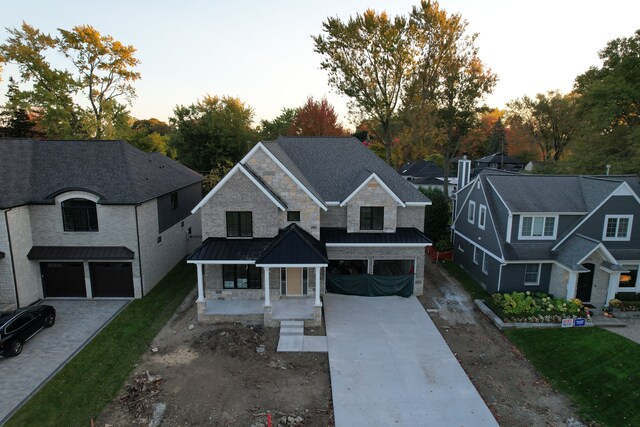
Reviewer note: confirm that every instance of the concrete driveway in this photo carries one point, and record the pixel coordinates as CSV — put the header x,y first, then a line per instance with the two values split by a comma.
x,y
391,367
77,322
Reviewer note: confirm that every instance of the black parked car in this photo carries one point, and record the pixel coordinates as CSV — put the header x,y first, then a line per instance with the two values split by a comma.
x,y
17,327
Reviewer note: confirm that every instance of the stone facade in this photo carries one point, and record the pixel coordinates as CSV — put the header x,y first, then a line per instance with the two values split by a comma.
x,y
372,194
290,192
558,281
600,280
7,288
411,216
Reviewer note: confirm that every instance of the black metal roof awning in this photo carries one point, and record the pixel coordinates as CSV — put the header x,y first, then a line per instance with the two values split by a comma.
x,y
221,249
402,236
60,253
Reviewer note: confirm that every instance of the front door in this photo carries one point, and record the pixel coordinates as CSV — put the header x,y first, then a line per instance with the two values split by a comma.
x,y
585,284
294,281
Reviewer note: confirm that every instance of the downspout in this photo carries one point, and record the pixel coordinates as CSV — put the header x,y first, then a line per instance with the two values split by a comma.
x,y
13,265
139,254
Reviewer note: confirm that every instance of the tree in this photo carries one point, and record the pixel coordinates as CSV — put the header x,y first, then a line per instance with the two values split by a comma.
x,y
316,118
609,104
369,59
152,125
211,132
437,215
270,130
550,120
100,70
474,143
497,140
15,119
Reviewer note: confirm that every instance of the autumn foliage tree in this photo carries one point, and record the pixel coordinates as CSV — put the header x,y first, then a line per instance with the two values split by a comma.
x,y
316,118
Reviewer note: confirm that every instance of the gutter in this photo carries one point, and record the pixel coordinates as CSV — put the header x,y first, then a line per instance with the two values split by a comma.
x,y
13,265
139,254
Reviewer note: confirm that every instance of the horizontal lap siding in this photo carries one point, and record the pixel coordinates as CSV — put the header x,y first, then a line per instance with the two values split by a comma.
x,y
513,278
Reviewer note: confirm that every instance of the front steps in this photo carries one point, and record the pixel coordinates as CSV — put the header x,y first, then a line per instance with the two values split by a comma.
x,y
292,338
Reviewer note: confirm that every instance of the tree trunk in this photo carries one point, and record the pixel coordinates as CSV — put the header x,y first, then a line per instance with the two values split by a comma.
x,y
387,142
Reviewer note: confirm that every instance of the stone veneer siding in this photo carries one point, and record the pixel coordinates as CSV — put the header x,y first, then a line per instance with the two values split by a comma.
x,y
290,192
7,289
600,280
411,216
372,194
27,272
558,281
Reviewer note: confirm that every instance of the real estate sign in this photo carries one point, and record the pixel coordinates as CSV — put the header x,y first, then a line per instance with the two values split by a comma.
x,y
567,323
580,321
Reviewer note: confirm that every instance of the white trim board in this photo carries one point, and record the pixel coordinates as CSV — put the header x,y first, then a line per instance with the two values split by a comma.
x,y
227,177
381,183
291,265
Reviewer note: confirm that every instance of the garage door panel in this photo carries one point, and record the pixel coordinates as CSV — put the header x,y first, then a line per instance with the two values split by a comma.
x,y
63,279
111,279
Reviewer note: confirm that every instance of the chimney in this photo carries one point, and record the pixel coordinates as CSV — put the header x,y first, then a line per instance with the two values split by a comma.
x,y
464,171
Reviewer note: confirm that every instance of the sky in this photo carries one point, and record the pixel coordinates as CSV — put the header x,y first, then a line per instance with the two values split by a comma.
x,y
262,51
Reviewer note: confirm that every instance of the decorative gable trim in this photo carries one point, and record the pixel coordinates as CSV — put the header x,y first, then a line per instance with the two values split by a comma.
x,y
260,146
381,183
604,252
227,177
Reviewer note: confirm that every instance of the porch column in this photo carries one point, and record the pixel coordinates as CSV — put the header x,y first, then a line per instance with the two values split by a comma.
x,y
317,302
614,280
267,292
200,283
571,285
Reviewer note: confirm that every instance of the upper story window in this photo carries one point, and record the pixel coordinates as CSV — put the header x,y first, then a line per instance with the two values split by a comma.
x,y
293,216
371,218
538,227
482,216
79,215
174,201
471,212
617,227
239,224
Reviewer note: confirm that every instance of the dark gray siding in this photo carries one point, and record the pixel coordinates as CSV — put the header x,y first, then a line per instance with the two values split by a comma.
x,y
616,205
565,223
513,278
463,256
188,198
461,196
486,238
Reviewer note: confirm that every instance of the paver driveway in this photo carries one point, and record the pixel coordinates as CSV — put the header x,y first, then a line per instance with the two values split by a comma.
x,y
76,323
391,367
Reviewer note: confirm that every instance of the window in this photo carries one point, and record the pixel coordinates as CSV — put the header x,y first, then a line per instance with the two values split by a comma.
x,y
471,212
20,321
371,218
485,263
531,274
538,227
396,267
476,255
239,224
174,201
482,216
283,281
241,276
79,215
628,280
293,216
305,281
617,227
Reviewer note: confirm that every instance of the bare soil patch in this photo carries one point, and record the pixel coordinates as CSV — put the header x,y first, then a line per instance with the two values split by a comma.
x,y
516,394
224,375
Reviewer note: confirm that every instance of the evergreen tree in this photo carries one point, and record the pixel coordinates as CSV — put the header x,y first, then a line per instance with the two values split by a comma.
x,y
497,141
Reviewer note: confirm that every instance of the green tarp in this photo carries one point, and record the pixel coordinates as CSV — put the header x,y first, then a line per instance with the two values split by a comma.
x,y
369,285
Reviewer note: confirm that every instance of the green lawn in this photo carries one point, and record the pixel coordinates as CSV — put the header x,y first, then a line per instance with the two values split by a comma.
x,y
83,387
598,369
471,286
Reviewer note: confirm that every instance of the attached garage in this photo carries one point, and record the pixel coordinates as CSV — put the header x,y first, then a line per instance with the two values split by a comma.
x,y
390,277
111,279
63,280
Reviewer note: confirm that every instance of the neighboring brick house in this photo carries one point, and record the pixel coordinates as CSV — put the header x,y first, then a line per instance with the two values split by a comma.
x,y
90,219
299,215
572,236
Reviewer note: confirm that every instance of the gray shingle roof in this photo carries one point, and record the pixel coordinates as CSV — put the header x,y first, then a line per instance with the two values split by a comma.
x,y
575,249
36,171
500,158
333,167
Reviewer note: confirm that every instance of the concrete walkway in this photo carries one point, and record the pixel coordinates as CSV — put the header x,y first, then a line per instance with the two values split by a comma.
x,y
391,367
293,339
628,328
76,323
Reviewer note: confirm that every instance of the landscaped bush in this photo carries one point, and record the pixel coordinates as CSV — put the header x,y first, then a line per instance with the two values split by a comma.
x,y
534,307
629,305
443,245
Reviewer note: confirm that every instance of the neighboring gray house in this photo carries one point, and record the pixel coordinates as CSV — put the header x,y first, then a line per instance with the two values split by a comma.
x,y
499,161
571,236
426,174
90,219
300,215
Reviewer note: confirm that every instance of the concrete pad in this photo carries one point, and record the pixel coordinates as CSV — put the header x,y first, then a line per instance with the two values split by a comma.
x,y
314,344
290,343
77,322
390,366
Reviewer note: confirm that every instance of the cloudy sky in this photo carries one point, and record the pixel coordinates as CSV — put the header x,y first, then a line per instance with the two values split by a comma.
x,y
262,52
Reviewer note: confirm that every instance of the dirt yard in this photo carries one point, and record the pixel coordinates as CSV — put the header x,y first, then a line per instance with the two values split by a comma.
x,y
507,382
223,375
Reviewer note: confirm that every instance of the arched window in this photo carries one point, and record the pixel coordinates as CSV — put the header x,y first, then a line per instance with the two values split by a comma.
x,y
79,215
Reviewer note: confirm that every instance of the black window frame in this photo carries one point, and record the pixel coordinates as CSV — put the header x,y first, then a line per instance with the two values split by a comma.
x,y
235,223
293,216
371,218
253,276
76,211
174,201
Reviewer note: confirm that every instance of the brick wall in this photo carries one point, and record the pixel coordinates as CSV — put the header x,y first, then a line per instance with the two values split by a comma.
x,y
411,216
27,272
371,194
7,290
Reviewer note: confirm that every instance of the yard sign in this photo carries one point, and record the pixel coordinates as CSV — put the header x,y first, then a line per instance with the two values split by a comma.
x,y
567,323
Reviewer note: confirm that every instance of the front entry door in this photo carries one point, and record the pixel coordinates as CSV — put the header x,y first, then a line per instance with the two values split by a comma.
x,y
294,281
585,284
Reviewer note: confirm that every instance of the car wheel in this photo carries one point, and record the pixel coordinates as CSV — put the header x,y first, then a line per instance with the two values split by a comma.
x,y
49,320
14,349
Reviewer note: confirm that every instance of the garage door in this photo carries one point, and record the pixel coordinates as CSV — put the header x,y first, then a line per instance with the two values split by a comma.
x,y
390,277
63,279
111,279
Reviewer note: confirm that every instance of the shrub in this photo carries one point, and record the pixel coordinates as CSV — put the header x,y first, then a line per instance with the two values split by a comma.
x,y
534,307
443,245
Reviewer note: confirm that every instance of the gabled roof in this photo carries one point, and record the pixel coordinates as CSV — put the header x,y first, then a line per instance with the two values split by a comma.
x,y
365,181
421,169
294,246
233,250
574,250
330,167
500,158
33,172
